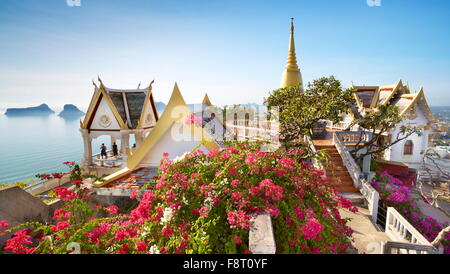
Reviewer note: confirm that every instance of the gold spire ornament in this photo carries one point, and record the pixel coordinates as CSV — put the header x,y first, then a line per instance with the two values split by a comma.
x,y
291,75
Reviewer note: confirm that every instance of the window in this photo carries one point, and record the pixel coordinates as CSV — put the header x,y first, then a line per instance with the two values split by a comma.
x,y
408,148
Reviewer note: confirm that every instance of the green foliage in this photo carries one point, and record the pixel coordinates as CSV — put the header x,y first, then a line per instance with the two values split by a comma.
x,y
300,111
19,184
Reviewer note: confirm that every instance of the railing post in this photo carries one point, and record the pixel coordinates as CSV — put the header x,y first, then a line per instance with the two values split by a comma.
x,y
374,211
261,237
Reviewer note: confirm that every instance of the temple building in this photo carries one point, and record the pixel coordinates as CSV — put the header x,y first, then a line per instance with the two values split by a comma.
x,y
416,112
180,129
119,114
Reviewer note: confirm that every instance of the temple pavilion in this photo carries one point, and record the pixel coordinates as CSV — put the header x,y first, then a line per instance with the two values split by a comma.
x,y
118,113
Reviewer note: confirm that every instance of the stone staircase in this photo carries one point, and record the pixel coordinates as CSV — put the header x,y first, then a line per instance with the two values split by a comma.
x,y
336,171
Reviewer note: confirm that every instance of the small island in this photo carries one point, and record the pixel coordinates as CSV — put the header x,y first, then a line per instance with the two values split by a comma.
x,y
42,110
71,111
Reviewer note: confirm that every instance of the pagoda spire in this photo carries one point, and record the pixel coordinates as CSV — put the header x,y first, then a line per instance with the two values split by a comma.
x,y
291,75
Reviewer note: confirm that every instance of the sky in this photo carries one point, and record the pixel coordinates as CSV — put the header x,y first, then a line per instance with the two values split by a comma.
x,y
235,50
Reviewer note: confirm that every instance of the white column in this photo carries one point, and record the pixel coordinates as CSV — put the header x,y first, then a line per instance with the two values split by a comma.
x,y
124,144
87,142
139,138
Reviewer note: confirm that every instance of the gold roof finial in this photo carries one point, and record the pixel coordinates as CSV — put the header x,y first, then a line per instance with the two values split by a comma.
x,y
100,80
292,75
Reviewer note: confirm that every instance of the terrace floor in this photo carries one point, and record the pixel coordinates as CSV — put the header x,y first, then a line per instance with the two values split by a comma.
x,y
366,238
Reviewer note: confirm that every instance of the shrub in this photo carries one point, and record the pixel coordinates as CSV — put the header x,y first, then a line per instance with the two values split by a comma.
x,y
204,203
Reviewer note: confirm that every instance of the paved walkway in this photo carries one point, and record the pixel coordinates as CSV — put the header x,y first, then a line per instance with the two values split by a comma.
x,y
366,238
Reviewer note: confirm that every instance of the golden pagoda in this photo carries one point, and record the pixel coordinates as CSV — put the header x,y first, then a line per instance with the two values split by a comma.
x,y
291,75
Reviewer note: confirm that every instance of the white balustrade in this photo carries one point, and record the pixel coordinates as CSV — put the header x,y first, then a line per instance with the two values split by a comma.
x,y
372,197
400,230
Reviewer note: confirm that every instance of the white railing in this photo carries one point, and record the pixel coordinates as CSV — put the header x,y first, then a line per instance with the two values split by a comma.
x,y
112,162
372,197
317,164
341,125
407,248
352,168
107,163
370,194
400,230
46,185
254,133
353,137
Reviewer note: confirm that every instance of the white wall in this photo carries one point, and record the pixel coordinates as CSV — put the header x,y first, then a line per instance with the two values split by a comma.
x,y
176,141
395,153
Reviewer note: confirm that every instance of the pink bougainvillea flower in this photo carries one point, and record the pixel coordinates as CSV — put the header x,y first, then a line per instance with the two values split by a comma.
x,y
134,194
62,225
238,219
141,246
213,153
237,240
65,194
235,183
18,244
167,232
112,209
312,228
3,223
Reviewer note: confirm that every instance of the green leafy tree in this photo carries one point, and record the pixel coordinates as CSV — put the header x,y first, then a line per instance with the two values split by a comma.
x,y
299,111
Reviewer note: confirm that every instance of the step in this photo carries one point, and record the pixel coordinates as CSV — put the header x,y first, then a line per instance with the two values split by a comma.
x,y
326,148
357,199
337,173
343,189
341,183
336,168
338,185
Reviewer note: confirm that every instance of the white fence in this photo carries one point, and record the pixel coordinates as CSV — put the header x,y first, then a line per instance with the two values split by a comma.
x,y
400,230
111,162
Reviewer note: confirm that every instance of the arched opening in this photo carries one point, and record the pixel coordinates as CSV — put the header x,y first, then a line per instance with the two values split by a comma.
x,y
408,148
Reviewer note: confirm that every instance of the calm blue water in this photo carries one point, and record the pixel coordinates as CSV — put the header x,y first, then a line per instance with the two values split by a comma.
x,y
31,145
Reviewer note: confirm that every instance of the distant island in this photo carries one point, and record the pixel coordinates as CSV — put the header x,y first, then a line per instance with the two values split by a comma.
x,y
42,110
71,111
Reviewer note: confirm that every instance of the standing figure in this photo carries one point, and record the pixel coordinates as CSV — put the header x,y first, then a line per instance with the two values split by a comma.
x,y
115,150
103,151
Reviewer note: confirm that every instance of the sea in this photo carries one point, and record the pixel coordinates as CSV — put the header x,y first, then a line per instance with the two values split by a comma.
x,y
33,145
